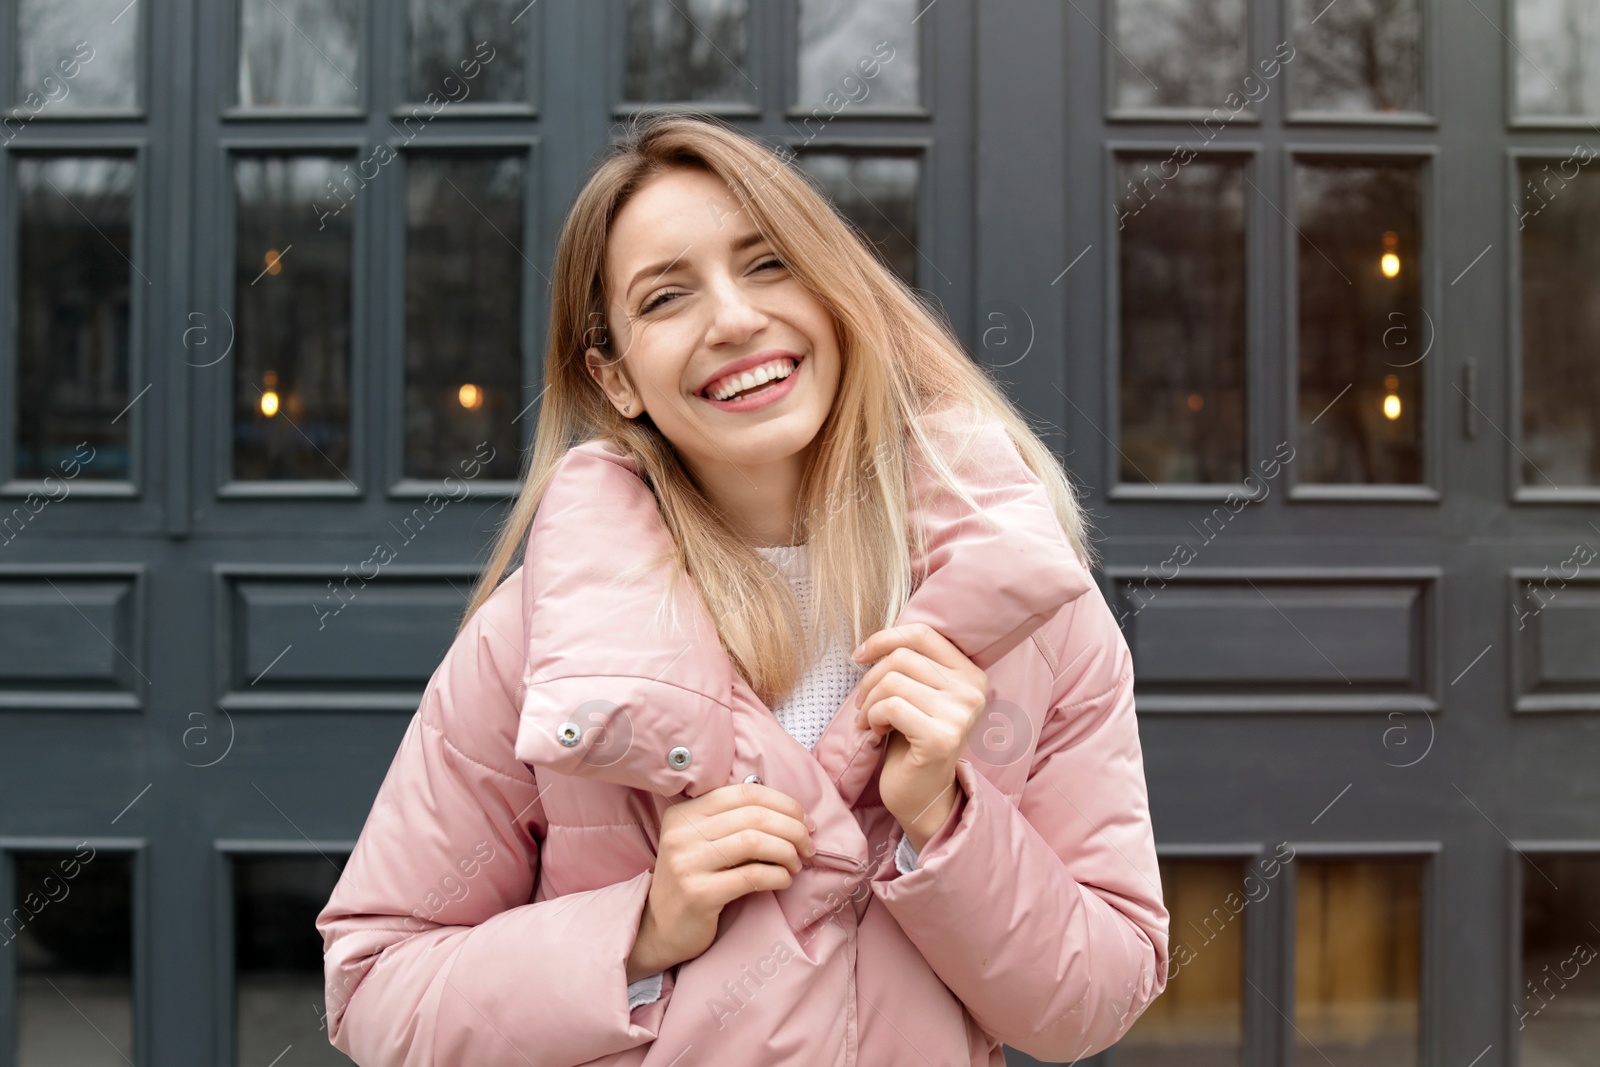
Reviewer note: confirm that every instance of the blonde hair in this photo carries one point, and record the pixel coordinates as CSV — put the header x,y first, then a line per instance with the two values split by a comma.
x,y
900,359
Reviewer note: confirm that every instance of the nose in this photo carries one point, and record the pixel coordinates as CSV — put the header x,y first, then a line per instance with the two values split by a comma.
x,y
733,317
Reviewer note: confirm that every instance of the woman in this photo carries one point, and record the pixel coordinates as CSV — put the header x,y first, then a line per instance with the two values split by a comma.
x,y
618,830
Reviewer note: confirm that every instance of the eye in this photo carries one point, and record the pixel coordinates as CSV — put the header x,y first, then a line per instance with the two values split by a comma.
x,y
656,301
770,262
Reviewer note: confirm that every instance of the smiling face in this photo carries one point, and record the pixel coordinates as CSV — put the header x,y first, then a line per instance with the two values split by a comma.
x,y
693,293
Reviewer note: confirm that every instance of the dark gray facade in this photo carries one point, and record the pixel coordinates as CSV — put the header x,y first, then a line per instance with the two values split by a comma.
x,y
1306,294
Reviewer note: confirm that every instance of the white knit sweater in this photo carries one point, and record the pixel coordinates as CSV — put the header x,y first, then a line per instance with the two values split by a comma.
x,y
806,712
810,707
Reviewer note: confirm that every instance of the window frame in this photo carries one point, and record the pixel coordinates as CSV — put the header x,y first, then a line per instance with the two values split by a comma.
x,y
224,853
392,303
135,148
1255,429
1430,964
140,890
1517,490
1431,436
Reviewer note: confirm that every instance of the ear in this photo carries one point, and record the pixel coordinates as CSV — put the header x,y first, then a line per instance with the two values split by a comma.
x,y
607,372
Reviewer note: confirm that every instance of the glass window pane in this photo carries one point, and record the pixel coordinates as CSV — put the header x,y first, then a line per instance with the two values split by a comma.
x,y
1358,960
1558,57
279,997
1363,330
472,43
1181,274
1179,53
464,265
1199,1020
1559,216
74,958
688,50
1558,1003
879,195
292,314
74,266
1357,55
856,55
299,53
62,65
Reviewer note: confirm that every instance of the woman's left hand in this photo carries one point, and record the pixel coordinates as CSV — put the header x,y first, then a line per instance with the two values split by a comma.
x,y
927,695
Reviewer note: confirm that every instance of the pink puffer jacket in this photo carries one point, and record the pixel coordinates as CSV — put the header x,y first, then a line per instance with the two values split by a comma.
x,y
487,913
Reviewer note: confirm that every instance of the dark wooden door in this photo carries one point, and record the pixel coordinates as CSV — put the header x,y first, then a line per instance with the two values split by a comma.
x,y
274,278
1309,290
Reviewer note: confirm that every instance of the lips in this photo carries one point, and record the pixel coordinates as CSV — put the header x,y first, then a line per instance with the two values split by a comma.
x,y
769,395
739,366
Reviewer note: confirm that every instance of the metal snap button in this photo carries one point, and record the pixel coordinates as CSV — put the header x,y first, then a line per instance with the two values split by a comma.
x,y
569,734
755,778
678,758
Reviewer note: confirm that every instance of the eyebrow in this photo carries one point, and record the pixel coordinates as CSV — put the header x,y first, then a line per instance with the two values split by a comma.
x,y
754,237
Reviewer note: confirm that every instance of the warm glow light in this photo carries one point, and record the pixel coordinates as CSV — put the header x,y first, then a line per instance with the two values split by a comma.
x,y
269,404
1391,382
1196,401
1391,407
471,396
274,265
1391,254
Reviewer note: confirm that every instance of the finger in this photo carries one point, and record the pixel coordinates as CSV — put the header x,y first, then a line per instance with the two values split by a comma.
x,y
901,663
905,660
740,794
724,860
776,800
750,845
897,713
726,886
918,636
920,640
776,823
935,705
709,852
932,720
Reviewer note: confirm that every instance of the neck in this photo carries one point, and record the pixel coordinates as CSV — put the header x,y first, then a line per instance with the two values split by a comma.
x,y
760,502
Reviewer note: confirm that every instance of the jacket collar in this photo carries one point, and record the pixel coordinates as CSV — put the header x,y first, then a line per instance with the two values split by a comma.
x,y
609,694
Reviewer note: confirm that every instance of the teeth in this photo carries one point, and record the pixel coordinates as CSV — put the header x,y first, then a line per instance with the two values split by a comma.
x,y
777,370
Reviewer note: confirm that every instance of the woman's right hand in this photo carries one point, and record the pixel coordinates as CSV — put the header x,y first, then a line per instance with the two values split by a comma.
x,y
714,848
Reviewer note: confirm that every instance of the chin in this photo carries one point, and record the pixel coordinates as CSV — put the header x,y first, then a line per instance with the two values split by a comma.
x,y
756,447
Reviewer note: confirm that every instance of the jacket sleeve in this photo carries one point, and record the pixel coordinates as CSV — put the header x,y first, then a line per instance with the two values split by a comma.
x,y
1060,955
433,953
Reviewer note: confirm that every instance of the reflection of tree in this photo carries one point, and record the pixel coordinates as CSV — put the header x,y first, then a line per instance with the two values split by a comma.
x,y
688,50
1561,331
294,323
463,310
445,35
1346,305
74,241
48,30
1193,50
835,35
879,195
1558,62
279,66
1359,55
1182,316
